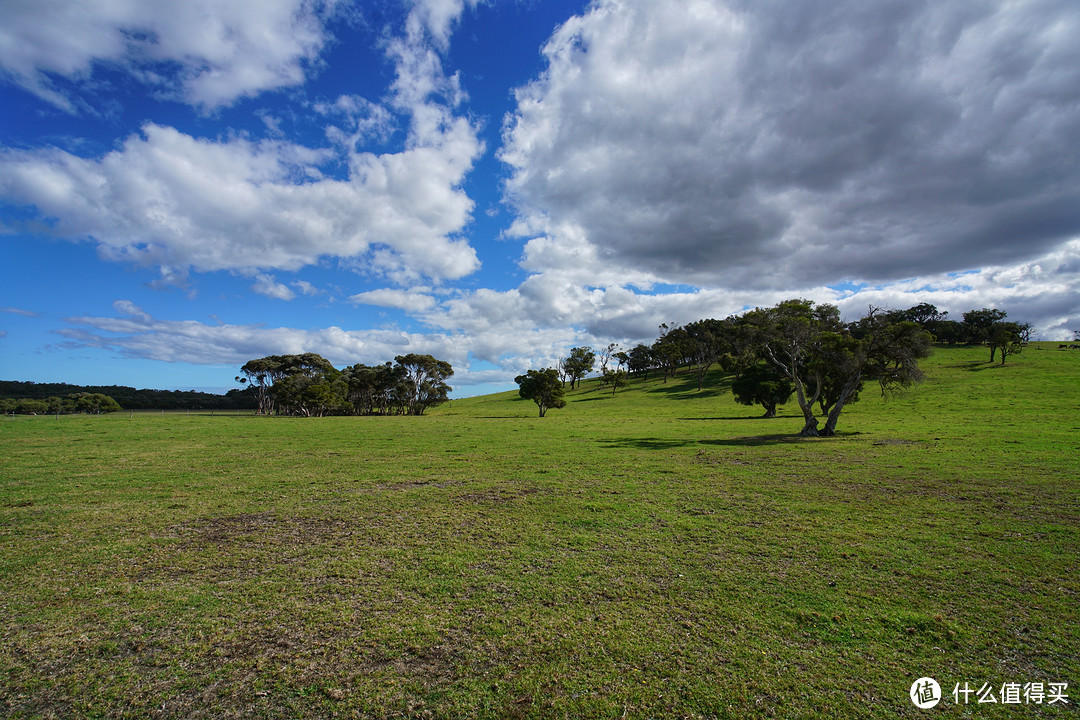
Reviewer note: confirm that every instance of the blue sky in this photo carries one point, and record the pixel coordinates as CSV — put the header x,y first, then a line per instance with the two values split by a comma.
x,y
184,188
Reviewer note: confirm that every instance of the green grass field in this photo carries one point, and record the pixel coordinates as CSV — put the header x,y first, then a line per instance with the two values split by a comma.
x,y
662,553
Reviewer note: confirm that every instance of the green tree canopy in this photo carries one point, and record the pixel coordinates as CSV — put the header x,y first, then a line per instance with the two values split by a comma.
x,y
707,341
989,326
825,358
762,384
308,384
615,378
640,360
578,364
425,381
543,387
94,403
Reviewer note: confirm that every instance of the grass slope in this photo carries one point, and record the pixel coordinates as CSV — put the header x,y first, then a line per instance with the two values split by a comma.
x,y
659,553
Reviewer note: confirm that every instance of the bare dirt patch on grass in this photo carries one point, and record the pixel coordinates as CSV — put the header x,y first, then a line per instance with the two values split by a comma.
x,y
265,528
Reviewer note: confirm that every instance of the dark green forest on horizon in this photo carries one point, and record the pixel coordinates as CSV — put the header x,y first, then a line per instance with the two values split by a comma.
x,y
128,398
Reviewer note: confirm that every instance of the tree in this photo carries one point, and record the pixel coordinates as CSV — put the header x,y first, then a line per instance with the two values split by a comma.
x,y
288,392
615,378
811,347
833,388
425,381
564,375
543,387
94,403
579,364
283,382
366,387
375,389
324,392
261,374
56,406
839,368
606,355
989,326
924,315
761,384
879,350
295,379
670,349
308,385
327,395
792,336
743,339
950,332
31,407
640,360
979,325
1008,337
707,341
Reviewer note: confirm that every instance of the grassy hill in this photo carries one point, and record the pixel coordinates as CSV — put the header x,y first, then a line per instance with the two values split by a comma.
x,y
657,553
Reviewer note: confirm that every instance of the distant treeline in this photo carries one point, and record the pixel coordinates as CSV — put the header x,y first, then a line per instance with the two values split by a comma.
x,y
75,403
130,398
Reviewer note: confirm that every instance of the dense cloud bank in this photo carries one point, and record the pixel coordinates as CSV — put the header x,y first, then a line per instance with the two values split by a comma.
x,y
768,144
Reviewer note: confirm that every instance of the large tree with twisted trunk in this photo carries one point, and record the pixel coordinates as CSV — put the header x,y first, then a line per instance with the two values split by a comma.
x,y
817,352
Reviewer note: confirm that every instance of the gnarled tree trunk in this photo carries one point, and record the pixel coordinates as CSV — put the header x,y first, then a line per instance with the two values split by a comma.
x,y
810,422
830,424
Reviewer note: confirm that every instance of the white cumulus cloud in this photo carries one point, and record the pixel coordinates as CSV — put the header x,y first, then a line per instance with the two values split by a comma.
x,y
168,199
410,300
206,53
268,286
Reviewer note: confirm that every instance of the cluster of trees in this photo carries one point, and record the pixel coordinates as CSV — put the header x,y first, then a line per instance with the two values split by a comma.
x,y
308,385
796,349
582,361
131,398
81,402
987,326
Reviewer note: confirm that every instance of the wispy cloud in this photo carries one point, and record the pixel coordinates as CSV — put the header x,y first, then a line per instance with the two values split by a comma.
x,y
19,311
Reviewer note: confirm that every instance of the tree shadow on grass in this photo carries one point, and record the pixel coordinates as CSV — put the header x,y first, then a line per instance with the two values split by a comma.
x,y
738,417
789,438
647,443
688,390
